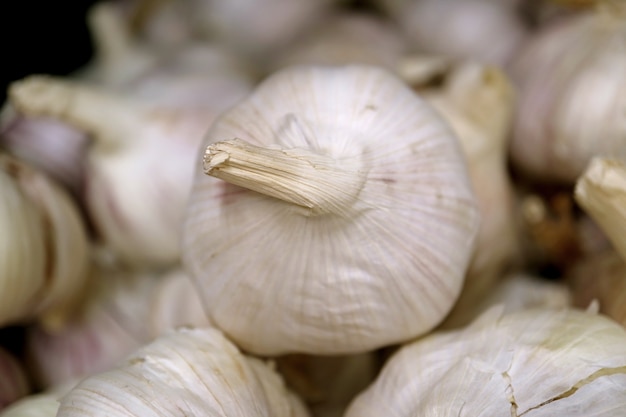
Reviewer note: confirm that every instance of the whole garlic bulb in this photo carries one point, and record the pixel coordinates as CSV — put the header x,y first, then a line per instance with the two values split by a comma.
x,y
345,219
571,77
135,200
186,372
482,30
534,363
44,252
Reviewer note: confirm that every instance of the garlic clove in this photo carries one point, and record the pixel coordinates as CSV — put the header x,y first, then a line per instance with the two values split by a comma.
x,y
538,362
190,372
601,192
571,83
124,311
376,208
46,257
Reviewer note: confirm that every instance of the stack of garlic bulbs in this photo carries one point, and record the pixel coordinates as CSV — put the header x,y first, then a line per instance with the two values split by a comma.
x,y
324,209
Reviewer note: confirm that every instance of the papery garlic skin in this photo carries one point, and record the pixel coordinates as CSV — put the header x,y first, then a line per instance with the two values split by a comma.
x,y
123,311
482,30
44,253
534,363
571,78
186,372
374,243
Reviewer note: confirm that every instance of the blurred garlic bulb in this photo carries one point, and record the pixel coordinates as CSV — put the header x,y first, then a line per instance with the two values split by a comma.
x,y
348,38
13,381
478,102
601,277
124,311
601,192
534,363
43,404
482,30
135,200
571,77
337,215
43,249
515,292
46,144
188,372
256,28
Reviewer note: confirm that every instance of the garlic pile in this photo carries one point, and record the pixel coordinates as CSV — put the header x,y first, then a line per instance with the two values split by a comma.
x,y
330,208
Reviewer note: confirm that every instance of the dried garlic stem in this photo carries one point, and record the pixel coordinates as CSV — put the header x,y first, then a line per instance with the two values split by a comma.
x,y
601,191
86,108
315,182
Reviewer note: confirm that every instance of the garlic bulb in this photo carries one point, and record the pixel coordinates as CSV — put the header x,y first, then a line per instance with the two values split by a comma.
x,y
13,381
256,28
135,201
43,250
187,372
345,220
348,38
601,192
478,102
124,311
571,77
602,278
43,404
483,30
532,363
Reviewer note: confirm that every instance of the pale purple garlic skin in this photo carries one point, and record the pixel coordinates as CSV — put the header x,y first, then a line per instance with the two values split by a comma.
x,y
336,256
571,79
483,30
47,144
135,200
14,383
124,311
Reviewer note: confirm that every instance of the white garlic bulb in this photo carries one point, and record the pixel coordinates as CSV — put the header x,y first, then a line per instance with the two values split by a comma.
x,y
356,223
44,252
483,30
571,77
134,199
124,311
187,372
533,363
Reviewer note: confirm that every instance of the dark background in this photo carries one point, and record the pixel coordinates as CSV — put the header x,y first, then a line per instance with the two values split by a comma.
x,y
45,37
